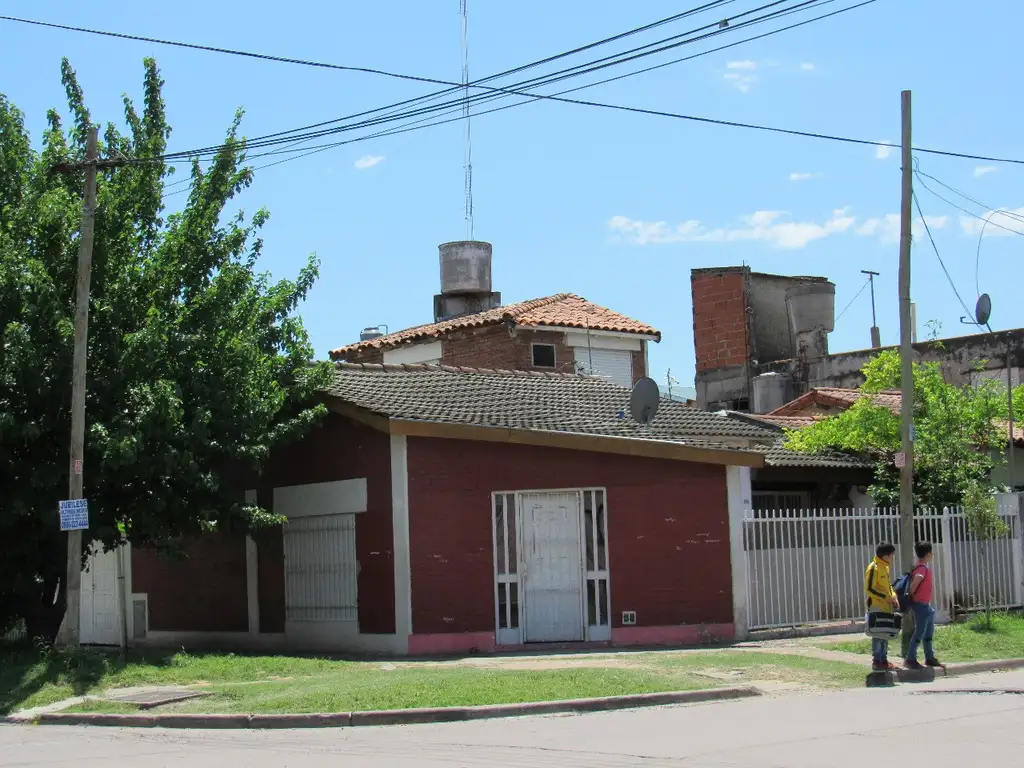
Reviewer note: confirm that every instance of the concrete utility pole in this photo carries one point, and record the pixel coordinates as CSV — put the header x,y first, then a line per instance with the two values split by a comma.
x,y
73,586
876,337
906,365
1009,404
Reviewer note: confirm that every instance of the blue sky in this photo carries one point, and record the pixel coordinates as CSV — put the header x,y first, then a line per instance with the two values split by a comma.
x,y
615,207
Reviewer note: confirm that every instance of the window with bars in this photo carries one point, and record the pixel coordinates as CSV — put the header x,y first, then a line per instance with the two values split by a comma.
x,y
595,532
506,560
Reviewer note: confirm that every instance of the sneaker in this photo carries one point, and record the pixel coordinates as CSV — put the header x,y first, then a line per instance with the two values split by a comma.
x,y
934,663
912,664
879,666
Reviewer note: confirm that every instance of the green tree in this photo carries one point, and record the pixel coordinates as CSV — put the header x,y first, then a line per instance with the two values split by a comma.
x,y
198,365
957,433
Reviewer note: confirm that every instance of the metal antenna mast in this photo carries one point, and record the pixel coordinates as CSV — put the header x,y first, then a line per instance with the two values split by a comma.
x,y
466,119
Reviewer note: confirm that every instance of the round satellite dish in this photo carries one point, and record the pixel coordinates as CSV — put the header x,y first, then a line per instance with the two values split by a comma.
x,y
644,400
983,309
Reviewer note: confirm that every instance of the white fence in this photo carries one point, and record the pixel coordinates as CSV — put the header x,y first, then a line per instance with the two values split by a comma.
x,y
807,566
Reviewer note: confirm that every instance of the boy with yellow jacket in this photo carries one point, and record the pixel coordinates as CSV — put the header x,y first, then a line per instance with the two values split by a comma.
x,y
880,598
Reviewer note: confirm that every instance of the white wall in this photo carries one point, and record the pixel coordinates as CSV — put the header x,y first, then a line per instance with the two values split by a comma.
x,y
414,353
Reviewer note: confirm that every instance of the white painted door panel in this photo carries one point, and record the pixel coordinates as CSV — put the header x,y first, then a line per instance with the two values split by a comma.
x,y
99,603
553,575
614,365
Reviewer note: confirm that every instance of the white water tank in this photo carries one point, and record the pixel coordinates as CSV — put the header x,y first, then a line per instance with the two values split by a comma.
x,y
771,391
465,267
368,334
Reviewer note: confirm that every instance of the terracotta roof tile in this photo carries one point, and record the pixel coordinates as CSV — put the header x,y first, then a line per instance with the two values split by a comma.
x,y
793,414
563,310
836,397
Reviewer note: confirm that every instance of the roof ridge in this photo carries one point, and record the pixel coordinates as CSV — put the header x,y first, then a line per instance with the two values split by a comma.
x,y
426,367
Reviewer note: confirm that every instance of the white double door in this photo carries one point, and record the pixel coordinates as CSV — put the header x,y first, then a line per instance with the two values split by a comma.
x,y
552,567
100,608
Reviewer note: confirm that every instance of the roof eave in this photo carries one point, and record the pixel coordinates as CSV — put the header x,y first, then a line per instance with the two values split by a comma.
x,y
627,446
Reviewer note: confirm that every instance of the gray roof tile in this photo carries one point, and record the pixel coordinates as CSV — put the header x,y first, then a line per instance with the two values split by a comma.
x,y
522,400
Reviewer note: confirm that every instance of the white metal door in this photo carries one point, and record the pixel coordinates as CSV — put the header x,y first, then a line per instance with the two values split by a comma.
x,y
614,365
99,603
553,568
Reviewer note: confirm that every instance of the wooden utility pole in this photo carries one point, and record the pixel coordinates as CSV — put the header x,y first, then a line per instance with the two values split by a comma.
x,y
73,586
906,364
876,337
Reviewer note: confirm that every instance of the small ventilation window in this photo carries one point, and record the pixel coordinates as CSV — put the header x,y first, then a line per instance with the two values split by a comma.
x,y
544,355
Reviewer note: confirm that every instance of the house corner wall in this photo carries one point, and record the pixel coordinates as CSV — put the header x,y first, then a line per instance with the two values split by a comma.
x,y
721,335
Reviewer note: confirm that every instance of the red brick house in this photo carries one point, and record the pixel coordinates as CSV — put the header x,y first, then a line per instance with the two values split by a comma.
x,y
441,509
562,333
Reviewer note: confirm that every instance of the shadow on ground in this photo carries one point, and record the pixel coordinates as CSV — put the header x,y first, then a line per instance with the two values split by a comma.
x,y
25,670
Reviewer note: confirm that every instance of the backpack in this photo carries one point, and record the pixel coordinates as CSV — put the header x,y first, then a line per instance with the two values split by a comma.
x,y
902,590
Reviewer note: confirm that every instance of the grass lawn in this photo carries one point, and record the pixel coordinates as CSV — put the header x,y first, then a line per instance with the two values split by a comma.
x,y
969,641
280,684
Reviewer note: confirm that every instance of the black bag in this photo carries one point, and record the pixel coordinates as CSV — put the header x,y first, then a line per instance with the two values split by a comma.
x,y
884,626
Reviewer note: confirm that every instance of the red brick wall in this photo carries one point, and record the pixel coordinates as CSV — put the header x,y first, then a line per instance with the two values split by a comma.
x,y
340,449
493,347
668,532
720,329
203,591
207,592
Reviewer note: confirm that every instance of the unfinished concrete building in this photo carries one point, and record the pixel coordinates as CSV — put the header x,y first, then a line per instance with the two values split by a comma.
x,y
762,340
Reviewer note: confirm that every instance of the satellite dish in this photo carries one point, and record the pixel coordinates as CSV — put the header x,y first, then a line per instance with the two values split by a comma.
x,y
644,400
983,309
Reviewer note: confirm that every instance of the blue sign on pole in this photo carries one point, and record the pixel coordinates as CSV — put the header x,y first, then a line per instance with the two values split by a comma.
x,y
74,515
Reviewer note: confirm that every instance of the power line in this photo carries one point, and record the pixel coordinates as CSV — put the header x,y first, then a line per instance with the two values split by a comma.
x,y
712,121
991,209
514,90
454,87
935,248
416,125
857,296
988,220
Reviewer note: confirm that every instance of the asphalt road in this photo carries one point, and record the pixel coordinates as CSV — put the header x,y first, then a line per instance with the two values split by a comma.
x,y
936,725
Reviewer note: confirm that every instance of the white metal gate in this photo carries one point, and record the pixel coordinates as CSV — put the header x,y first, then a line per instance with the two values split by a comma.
x,y
99,606
552,567
320,568
807,566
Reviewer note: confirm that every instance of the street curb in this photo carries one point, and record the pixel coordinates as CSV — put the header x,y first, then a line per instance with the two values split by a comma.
x,y
974,667
386,717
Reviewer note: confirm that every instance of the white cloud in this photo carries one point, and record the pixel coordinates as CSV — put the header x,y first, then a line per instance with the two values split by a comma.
x,y
368,161
764,226
887,228
803,176
771,227
1002,223
983,170
883,153
747,65
743,83
807,66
